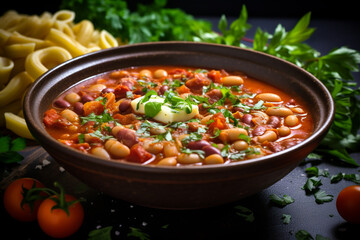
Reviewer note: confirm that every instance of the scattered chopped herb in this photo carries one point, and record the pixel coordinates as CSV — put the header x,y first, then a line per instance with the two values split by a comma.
x,y
281,201
100,234
286,218
81,138
193,136
138,233
101,136
314,171
350,177
304,235
321,197
102,118
312,184
201,153
9,149
245,213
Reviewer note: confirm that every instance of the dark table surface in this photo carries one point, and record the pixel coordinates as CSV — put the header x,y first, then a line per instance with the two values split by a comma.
x,y
222,222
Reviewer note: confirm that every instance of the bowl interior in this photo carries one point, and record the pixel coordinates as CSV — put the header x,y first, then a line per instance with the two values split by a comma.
x,y
285,76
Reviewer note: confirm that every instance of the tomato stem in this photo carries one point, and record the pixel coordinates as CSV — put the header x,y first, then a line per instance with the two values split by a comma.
x,y
60,200
31,195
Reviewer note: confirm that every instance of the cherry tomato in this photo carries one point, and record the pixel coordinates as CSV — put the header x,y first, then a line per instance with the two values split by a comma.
x,y
13,197
56,222
348,204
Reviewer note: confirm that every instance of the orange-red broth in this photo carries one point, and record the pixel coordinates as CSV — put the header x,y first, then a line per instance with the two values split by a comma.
x,y
208,138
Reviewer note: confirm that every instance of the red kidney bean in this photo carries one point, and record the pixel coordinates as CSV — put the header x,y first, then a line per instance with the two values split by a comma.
x,y
247,119
197,145
127,137
107,90
86,98
274,121
124,105
61,103
163,89
79,108
139,92
259,130
209,150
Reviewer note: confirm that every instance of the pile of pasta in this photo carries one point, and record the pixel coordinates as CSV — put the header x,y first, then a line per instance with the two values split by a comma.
x,y
30,45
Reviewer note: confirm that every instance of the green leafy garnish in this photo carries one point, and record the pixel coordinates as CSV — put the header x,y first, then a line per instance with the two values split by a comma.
x,y
321,197
100,234
152,108
138,233
201,153
98,134
281,201
312,184
245,213
286,218
98,119
9,149
304,235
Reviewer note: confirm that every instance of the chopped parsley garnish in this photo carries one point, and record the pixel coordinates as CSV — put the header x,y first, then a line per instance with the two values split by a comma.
x,y
100,135
9,149
102,118
201,153
281,201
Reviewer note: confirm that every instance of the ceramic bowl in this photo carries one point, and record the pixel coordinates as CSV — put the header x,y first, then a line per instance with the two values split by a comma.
x,y
189,187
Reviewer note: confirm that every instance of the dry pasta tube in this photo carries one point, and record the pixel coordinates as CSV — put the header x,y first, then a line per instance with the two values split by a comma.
x,y
4,36
14,107
6,66
42,60
17,125
64,16
83,32
19,38
15,88
65,28
19,50
107,40
9,19
61,39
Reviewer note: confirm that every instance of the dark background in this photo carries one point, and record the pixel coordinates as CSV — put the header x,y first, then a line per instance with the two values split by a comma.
x,y
344,9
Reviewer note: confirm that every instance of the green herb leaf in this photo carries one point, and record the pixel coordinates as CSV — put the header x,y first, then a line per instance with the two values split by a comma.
x,y
102,118
100,234
152,109
281,201
9,149
321,197
5,144
138,233
312,184
303,235
245,213
201,153
286,218
98,134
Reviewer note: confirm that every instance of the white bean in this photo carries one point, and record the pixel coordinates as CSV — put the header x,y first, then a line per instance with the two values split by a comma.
x,y
116,148
278,111
70,115
232,81
100,152
269,97
191,158
269,136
